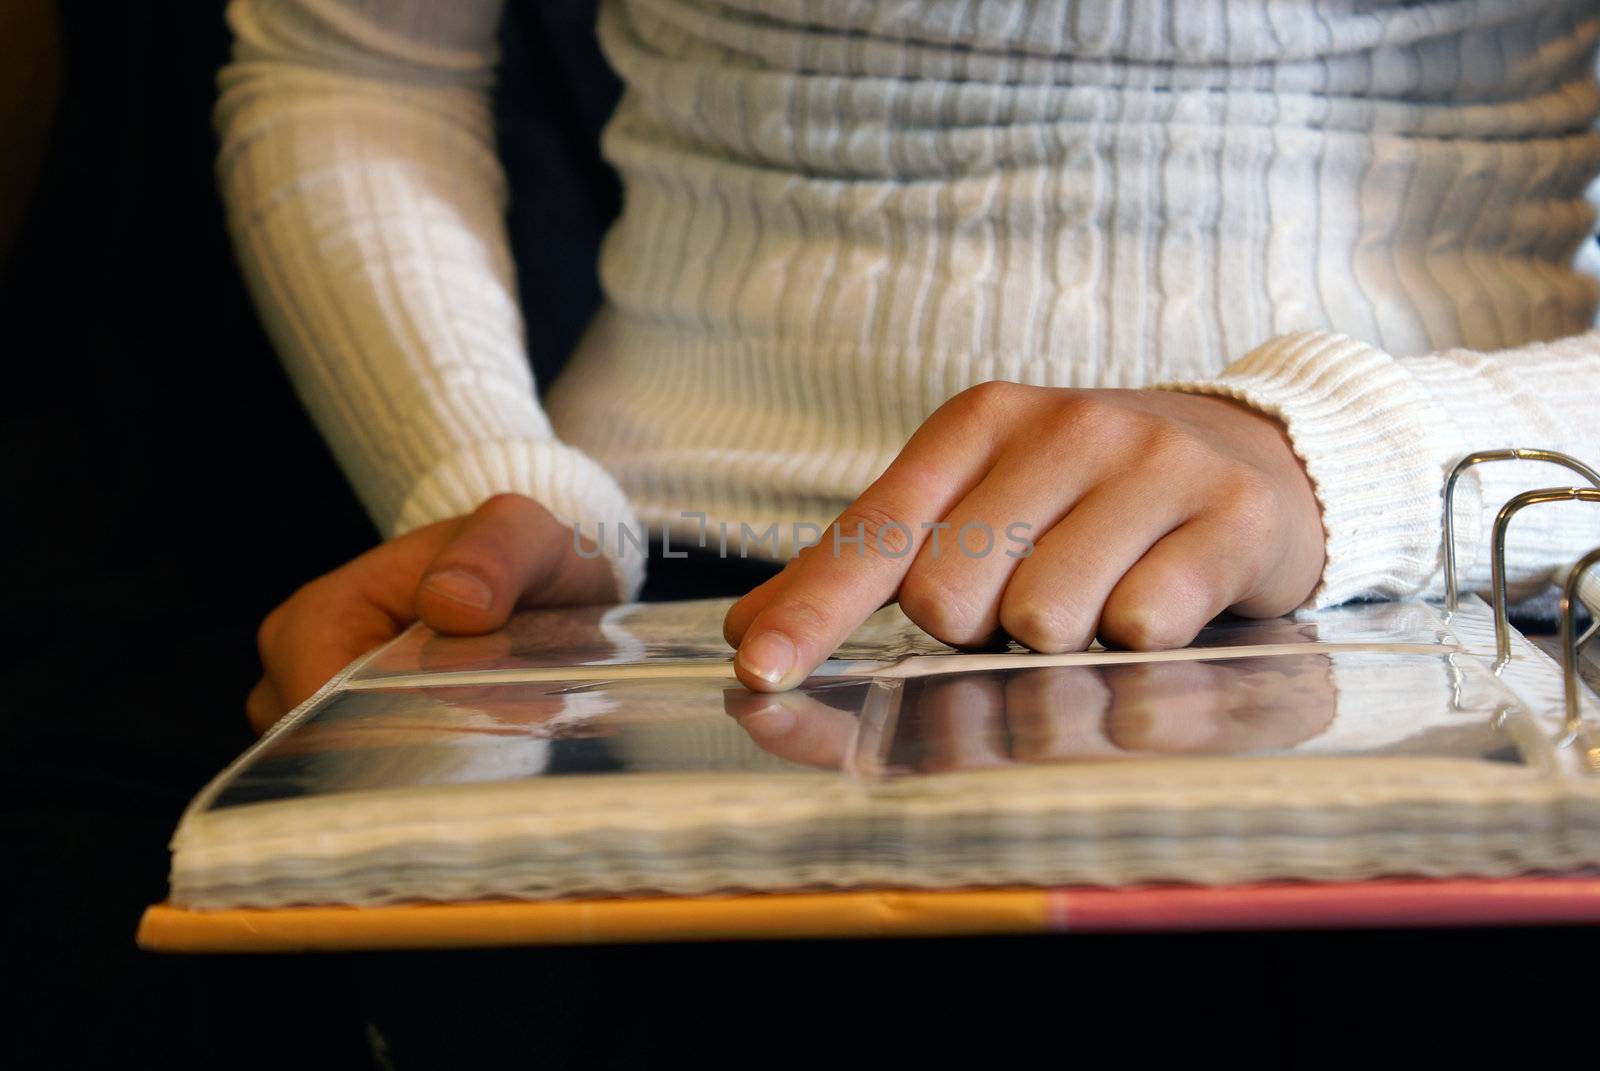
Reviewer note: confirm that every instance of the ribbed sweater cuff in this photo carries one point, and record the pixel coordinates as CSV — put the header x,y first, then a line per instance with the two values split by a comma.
x,y
567,482
1375,446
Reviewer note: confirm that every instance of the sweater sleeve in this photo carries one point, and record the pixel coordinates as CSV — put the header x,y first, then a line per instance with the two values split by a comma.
x,y
366,204
1378,434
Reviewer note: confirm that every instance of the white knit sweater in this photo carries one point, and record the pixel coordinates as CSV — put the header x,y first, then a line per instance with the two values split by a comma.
x,y
1366,217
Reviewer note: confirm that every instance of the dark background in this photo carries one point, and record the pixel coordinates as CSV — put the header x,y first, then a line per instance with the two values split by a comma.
x,y
163,490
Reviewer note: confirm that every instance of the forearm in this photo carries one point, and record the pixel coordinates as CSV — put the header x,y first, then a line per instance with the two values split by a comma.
x,y
366,205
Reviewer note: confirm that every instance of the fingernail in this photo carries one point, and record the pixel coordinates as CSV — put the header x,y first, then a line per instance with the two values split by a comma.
x,y
770,721
769,656
459,586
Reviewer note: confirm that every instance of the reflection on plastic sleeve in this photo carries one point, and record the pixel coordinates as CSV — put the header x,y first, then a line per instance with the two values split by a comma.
x,y
691,632
1340,703
1282,705
395,738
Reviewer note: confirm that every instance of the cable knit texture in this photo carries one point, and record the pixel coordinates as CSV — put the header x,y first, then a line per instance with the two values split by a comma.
x,y
840,213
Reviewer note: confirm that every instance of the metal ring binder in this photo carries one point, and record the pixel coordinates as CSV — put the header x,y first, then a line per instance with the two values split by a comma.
x,y
1571,641
1573,728
1497,554
1451,591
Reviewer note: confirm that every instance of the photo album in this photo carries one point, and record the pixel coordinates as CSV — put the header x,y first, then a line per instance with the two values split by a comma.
x,y
610,752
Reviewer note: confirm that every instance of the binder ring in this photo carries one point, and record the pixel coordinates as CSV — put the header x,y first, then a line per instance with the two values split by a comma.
x,y
1452,595
1497,554
1571,641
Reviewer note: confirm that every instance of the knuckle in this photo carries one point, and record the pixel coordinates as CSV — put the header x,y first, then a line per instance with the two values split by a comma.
x,y
1161,608
804,556
1091,417
1250,502
984,397
1173,446
270,631
1141,627
984,403
500,512
940,608
1042,627
503,502
872,531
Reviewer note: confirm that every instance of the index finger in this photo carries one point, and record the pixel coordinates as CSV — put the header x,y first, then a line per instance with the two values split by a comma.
x,y
830,588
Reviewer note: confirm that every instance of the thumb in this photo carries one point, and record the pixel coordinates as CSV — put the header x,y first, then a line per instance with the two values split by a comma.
x,y
507,552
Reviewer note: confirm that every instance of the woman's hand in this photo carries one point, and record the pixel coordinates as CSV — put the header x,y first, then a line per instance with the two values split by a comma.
x,y
1053,515
463,576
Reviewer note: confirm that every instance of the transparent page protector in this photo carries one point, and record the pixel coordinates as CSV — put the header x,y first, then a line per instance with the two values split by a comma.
x,y
687,636
1342,703
1368,704
397,738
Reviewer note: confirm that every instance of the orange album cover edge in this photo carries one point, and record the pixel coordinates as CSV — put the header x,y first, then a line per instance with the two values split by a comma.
x,y
867,913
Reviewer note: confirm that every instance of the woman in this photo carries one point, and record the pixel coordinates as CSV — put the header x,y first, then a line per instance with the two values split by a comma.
x,y
914,268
